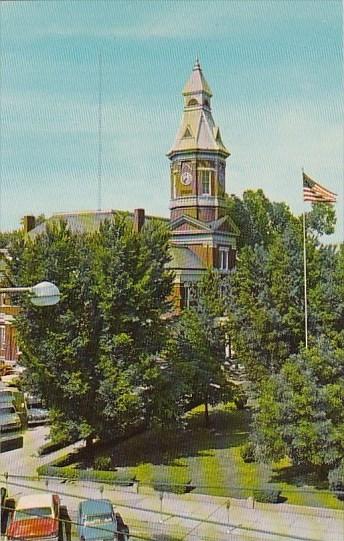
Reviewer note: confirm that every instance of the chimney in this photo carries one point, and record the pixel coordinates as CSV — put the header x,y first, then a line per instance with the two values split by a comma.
x,y
29,223
139,219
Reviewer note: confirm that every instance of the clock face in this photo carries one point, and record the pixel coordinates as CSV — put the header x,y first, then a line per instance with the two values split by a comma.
x,y
186,177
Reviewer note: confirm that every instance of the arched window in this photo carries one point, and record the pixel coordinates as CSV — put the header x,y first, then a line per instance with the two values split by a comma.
x,y
192,102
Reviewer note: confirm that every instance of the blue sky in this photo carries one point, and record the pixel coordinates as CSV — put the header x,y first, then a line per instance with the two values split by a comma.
x,y
275,69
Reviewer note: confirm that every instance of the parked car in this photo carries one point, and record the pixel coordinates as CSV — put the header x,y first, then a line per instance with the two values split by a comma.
x,y
37,414
36,518
97,521
6,396
9,418
10,394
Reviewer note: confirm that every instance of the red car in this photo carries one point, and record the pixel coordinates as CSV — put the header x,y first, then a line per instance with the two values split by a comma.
x,y
36,518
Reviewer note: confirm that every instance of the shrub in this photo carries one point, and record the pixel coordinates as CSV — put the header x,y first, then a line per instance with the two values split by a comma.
x,y
50,447
165,481
103,463
267,495
336,481
240,400
247,452
120,477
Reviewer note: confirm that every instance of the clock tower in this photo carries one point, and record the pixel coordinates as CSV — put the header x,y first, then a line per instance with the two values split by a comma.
x,y
203,235
198,156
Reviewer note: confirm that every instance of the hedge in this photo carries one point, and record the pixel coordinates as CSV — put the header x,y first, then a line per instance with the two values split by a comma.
x,y
168,481
247,452
267,495
119,477
50,447
336,481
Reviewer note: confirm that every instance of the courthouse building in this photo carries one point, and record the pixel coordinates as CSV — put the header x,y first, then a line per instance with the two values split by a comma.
x,y
202,234
8,344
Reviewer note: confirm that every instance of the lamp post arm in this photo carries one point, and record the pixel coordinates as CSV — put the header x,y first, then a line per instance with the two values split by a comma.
x,y
14,289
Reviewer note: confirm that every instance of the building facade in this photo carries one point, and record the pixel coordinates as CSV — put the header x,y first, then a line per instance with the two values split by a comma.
x,y
8,312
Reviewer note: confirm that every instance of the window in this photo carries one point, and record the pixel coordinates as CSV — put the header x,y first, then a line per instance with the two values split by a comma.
x,y
189,298
205,178
192,102
224,258
187,133
2,337
174,186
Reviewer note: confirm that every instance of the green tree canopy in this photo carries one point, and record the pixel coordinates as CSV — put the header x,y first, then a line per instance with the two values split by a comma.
x,y
89,355
300,410
197,349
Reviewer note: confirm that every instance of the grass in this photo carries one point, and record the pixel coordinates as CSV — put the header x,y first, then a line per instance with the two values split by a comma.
x,y
211,459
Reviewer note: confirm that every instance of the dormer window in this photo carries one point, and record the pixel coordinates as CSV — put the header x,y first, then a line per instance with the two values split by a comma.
x,y
192,102
187,133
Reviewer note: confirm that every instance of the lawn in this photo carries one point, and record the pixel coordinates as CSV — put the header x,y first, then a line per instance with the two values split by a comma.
x,y
211,459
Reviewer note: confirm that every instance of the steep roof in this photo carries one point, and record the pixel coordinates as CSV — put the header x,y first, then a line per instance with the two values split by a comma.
x,y
196,82
197,130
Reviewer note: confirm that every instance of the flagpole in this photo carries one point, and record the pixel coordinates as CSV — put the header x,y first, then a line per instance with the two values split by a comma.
x,y
305,269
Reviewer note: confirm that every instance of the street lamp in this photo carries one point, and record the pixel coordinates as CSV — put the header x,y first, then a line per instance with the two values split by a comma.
x,y
42,294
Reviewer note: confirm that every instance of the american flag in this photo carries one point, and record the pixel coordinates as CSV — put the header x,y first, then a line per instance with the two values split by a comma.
x,y
314,192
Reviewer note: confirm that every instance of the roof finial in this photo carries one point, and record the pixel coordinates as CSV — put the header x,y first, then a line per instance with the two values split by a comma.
x,y
197,64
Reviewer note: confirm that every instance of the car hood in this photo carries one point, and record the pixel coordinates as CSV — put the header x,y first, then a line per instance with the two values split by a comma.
x,y
99,531
9,418
33,527
37,412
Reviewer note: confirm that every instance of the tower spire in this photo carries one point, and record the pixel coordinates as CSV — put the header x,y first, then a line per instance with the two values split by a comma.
x,y
197,65
197,131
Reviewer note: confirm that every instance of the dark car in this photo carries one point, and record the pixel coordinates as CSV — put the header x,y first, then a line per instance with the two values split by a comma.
x,y
98,522
37,414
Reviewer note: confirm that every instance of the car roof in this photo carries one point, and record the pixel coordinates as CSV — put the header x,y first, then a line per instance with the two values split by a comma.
x,y
35,500
90,507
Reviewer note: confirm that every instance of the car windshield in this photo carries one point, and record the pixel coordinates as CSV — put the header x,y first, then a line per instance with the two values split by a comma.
x,y
98,519
35,512
5,396
34,405
6,411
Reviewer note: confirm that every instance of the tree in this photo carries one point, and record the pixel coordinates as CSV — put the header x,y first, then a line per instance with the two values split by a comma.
x,y
265,301
88,354
257,218
7,237
265,305
300,410
198,349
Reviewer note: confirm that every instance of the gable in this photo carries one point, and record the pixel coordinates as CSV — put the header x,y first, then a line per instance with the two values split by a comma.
x,y
187,223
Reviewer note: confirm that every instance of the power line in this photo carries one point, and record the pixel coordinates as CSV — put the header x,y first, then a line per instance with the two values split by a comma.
x,y
175,515
193,485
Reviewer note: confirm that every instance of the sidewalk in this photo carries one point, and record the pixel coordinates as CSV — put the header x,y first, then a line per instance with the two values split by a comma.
x,y
192,517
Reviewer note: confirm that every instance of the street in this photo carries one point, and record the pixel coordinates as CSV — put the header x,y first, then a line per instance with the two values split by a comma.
x,y
190,517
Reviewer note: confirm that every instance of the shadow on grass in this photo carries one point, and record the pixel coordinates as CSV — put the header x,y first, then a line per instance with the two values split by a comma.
x,y
166,447
300,476
163,537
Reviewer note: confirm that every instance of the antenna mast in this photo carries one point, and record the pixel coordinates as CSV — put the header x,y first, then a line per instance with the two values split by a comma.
x,y
100,134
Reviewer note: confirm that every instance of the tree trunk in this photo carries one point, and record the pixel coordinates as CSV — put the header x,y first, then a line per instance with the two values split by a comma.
x,y
206,413
89,441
